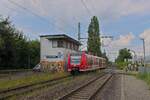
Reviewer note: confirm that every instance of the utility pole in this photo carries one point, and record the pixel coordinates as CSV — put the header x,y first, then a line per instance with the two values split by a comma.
x,y
143,49
79,32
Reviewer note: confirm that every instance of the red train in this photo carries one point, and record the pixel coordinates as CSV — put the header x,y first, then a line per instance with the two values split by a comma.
x,y
79,62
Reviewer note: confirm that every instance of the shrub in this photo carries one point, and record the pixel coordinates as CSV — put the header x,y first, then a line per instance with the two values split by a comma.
x,y
121,65
145,77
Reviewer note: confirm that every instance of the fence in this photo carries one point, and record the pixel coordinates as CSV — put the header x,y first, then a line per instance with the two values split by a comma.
x,y
144,69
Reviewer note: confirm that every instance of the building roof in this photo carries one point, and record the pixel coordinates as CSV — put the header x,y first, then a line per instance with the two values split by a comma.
x,y
61,36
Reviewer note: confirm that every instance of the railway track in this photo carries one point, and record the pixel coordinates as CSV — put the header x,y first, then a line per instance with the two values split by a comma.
x,y
14,71
88,90
4,94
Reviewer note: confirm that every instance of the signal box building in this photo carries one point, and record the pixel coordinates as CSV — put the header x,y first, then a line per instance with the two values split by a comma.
x,y
55,50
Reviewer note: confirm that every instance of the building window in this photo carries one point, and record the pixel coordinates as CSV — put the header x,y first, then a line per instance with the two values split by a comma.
x,y
54,44
73,46
76,47
70,45
60,43
67,45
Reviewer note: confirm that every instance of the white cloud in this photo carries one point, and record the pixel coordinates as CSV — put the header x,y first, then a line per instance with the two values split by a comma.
x,y
124,40
105,9
66,9
66,13
146,35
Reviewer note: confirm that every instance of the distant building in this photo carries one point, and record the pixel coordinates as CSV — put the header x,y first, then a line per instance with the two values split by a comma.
x,y
55,49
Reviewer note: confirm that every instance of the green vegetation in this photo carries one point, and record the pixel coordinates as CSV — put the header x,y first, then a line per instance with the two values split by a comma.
x,y
16,51
5,84
105,56
121,65
124,54
145,77
94,37
64,82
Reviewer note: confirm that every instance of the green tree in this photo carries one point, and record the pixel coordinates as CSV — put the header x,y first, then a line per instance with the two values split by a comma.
x,y
16,51
105,56
94,37
124,54
7,43
34,50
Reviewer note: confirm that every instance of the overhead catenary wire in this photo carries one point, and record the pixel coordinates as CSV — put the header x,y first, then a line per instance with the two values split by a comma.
x,y
33,13
86,7
11,8
93,6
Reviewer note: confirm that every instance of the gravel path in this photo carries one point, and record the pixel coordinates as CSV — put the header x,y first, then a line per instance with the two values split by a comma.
x,y
124,87
135,89
120,87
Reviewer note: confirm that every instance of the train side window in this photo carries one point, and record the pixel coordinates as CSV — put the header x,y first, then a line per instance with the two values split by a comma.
x,y
99,62
96,61
91,61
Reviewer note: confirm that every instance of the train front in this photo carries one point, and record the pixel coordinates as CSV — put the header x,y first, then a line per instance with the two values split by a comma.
x,y
74,62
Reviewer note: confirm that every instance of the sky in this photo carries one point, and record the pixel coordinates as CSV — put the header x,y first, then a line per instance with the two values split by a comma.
x,y
126,20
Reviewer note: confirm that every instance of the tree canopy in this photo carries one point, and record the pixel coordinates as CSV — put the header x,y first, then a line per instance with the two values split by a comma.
x,y
15,50
123,54
94,37
105,56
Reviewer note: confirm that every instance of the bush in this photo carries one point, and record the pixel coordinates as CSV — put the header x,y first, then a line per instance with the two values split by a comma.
x,y
121,65
145,77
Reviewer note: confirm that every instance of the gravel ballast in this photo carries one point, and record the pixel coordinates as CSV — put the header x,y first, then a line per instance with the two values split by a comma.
x,y
51,93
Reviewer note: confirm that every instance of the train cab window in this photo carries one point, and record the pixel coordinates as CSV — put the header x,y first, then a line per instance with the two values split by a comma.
x,y
75,58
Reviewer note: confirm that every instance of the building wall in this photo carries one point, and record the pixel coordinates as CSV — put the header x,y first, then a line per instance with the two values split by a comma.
x,y
46,49
53,63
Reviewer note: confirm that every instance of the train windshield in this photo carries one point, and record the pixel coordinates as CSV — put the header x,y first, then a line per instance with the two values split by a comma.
x,y
75,58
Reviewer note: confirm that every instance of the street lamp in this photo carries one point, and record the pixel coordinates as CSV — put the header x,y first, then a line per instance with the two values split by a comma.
x,y
143,49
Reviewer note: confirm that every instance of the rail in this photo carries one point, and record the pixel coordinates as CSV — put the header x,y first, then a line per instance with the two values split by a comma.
x,y
27,88
89,90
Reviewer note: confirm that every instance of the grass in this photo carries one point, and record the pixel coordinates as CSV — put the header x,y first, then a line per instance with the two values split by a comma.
x,y
121,65
38,91
37,77
47,88
133,73
145,77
